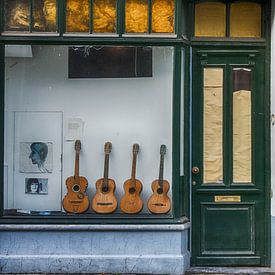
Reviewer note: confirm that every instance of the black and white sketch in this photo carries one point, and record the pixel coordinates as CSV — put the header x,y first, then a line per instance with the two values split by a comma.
x,y
36,186
36,157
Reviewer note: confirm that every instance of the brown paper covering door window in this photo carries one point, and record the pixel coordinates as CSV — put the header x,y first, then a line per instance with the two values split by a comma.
x,y
213,125
242,159
210,19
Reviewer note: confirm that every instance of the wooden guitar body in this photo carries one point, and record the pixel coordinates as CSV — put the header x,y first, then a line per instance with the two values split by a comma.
x,y
159,202
104,201
76,200
131,202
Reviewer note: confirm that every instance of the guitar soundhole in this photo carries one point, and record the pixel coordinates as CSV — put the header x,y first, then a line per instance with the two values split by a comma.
x,y
132,190
160,191
76,188
105,189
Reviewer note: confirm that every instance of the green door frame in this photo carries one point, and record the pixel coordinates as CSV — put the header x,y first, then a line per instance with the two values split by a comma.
x,y
255,198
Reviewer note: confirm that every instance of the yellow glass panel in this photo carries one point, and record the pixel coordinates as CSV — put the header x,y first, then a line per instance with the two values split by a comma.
x,y
245,19
17,15
213,125
104,16
210,19
136,16
163,14
242,127
77,15
44,15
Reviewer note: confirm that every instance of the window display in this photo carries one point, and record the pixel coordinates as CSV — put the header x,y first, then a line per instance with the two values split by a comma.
x,y
71,142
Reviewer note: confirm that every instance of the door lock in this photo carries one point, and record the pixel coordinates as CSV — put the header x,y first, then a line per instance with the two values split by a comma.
x,y
195,170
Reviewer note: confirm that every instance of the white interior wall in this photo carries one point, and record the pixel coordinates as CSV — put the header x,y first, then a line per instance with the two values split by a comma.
x,y
123,111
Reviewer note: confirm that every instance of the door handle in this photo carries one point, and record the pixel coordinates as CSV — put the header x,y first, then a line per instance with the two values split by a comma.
x,y
195,170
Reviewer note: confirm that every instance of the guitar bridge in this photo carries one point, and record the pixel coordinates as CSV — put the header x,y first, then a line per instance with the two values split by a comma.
x,y
104,203
159,204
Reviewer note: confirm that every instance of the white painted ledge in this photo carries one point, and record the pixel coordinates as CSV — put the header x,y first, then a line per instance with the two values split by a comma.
x,y
98,227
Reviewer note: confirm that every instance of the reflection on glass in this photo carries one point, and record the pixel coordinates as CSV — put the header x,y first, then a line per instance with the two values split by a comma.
x,y
136,16
17,15
163,16
44,15
241,125
77,16
213,125
245,19
104,16
210,19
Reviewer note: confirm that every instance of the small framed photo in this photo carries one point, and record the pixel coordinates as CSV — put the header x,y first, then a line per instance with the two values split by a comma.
x,y
36,186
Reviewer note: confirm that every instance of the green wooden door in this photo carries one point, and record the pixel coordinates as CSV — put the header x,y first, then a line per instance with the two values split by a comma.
x,y
229,209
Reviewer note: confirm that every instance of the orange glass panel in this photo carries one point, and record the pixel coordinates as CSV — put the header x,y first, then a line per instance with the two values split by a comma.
x,y
77,16
44,15
213,126
104,16
136,16
163,16
245,19
210,19
17,15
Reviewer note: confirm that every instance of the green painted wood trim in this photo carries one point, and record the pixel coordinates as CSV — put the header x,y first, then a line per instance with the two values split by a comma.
x,y
2,115
177,189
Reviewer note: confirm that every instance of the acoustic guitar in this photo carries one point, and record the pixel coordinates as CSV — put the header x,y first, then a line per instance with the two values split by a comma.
x,y
159,202
76,200
104,200
131,202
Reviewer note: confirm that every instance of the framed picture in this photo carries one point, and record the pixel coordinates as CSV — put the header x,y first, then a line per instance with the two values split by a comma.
x,y
37,186
36,157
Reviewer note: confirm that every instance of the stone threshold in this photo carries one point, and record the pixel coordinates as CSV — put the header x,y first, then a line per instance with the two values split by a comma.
x,y
229,270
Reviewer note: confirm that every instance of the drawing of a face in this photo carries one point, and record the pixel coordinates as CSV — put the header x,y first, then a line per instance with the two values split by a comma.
x,y
39,152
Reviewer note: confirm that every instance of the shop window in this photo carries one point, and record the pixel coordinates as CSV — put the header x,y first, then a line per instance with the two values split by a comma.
x,y
30,15
69,125
245,19
210,19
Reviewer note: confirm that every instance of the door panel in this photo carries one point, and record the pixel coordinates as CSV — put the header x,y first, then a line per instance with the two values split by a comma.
x,y
228,154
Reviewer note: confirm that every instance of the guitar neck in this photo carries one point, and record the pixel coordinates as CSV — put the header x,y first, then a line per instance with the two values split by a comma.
x,y
134,164
76,165
161,168
106,171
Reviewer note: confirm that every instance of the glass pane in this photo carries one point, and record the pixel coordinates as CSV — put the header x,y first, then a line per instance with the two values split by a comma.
x,y
17,15
163,13
136,16
245,19
104,16
77,15
39,82
44,15
213,125
242,125
210,19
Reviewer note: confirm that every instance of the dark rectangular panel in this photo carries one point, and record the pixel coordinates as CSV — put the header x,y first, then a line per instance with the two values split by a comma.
x,y
227,228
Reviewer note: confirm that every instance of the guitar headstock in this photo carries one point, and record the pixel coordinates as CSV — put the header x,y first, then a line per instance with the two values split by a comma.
x,y
77,145
135,148
107,148
163,149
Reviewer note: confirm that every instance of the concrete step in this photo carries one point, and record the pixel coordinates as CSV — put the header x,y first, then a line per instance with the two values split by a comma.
x,y
229,270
